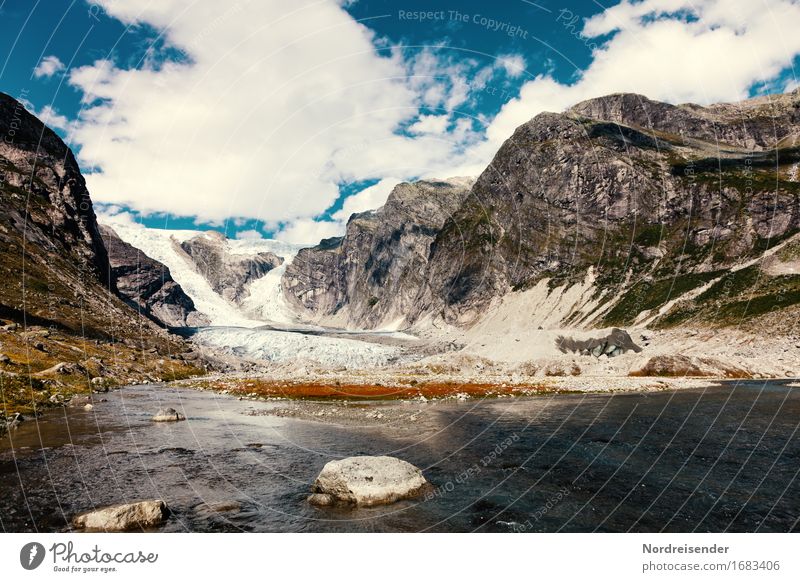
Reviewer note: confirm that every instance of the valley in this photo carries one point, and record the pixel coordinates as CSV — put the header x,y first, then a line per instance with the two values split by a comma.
x,y
629,262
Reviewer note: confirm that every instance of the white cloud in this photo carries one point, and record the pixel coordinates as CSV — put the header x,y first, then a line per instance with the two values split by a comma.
x,y
435,124
277,103
48,115
273,92
513,65
367,199
53,119
309,231
249,235
48,67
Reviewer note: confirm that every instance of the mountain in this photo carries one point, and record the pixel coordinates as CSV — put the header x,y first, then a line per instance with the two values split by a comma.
x,y
619,211
228,273
370,277
63,322
148,285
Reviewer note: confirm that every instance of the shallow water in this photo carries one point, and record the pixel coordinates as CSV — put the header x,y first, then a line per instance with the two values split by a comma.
x,y
722,458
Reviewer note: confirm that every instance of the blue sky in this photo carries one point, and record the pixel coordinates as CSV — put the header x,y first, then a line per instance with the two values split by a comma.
x,y
260,119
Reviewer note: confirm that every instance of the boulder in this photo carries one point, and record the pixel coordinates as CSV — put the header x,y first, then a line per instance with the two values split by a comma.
x,y
367,481
168,415
127,516
681,365
80,400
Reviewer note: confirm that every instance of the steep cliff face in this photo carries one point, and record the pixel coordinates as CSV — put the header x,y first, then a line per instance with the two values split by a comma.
x,y
370,277
148,285
640,206
44,192
657,200
63,328
228,273
54,263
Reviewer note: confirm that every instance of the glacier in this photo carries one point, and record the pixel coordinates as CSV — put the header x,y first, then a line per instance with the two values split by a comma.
x,y
265,304
283,336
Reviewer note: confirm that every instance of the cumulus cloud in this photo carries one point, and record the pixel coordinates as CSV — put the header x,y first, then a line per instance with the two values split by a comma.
x,y
49,115
53,119
513,65
367,199
251,234
436,124
48,67
276,104
309,231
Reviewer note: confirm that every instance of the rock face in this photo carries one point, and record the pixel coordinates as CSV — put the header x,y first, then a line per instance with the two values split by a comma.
x,y
228,274
147,285
36,165
49,232
640,191
125,517
56,301
367,481
372,275
650,202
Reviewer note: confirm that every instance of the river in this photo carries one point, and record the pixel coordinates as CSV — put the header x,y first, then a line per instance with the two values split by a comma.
x,y
724,458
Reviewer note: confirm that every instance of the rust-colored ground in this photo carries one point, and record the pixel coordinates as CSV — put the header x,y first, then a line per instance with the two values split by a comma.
x,y
343,391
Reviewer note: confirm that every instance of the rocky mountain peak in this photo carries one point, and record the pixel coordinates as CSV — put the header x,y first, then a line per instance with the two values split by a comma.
x,y
370,276
630,200
41,177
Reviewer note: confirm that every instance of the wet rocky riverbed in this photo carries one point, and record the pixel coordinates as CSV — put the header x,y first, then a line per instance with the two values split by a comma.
x,y
724,458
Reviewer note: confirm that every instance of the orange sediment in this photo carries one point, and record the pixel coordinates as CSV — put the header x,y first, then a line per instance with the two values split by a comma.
x,y
368,391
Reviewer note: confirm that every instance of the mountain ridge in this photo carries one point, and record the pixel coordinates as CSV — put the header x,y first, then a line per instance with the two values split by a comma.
x,y
651,200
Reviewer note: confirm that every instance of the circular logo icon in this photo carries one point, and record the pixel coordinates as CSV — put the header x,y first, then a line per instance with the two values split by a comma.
x,y
31,555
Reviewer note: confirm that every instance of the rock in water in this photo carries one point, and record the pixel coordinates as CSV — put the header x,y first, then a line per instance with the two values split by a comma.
x,y
168,415
367,481
127,516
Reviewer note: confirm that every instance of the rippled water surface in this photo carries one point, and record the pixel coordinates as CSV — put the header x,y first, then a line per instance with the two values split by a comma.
x,y
724,458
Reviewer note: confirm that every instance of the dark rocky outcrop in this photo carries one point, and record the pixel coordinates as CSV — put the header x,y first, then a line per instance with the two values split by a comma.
x,y
372,275
147,285
44,191
49,233
614,344
228,273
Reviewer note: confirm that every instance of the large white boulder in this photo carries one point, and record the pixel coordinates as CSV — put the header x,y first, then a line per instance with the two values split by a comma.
x,y
127,516
367,481
168,415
